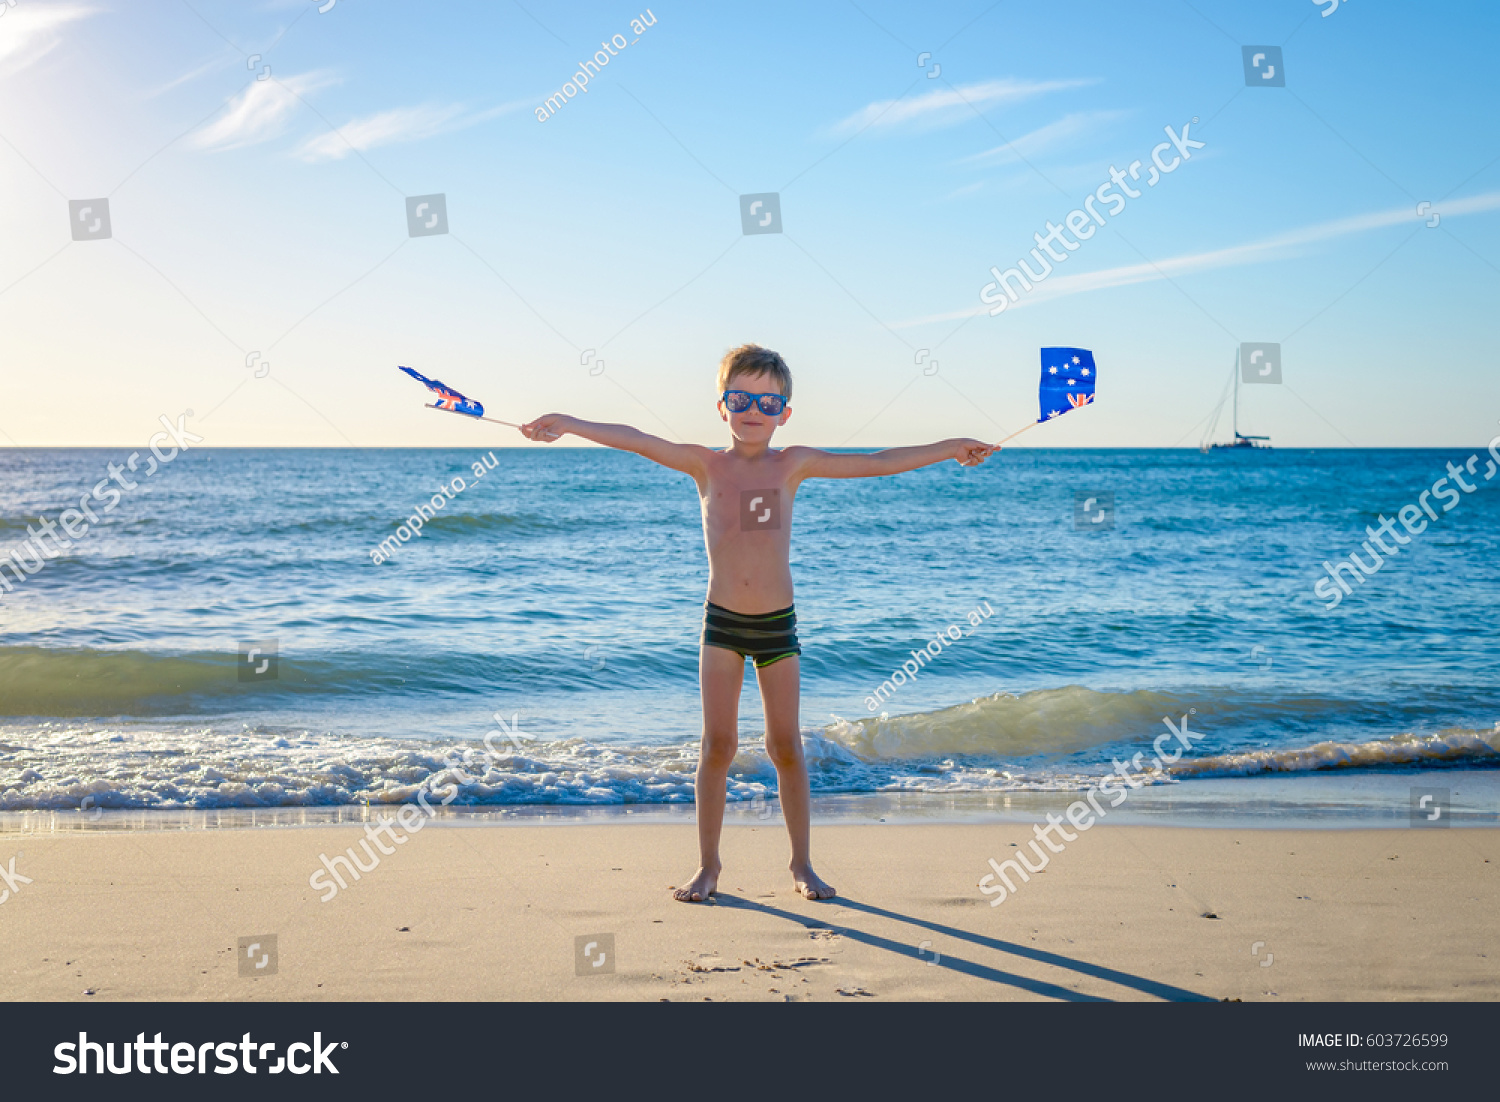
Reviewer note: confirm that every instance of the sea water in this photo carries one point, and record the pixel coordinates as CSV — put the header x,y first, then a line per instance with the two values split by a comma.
x,y
565,586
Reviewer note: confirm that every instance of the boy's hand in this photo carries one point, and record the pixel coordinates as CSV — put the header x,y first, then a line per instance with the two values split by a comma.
x,y
971,453
548,428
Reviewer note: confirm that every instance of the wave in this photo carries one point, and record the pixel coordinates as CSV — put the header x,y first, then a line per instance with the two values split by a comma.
x,y
48,682
36,681
66,684
84,768
1044,721
1455,746
62,766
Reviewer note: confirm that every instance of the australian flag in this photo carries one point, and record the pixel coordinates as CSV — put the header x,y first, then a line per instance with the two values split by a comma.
x,y
1067,380
448,398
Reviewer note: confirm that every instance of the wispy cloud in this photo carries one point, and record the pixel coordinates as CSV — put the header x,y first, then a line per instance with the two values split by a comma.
x,y
1052,136
401,124
946,106
29,32
1277,247
221,62
967,189
259,113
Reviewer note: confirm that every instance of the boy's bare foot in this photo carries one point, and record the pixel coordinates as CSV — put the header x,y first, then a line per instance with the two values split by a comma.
x,y
810,885
703,884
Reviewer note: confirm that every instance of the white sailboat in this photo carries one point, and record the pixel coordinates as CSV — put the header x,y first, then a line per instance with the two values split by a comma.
x,y
1241,440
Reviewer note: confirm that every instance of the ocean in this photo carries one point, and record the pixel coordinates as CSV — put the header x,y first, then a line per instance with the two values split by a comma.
x,y
230,636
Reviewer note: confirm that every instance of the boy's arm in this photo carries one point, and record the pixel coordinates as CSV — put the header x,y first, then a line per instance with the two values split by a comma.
x,y
816,463
688,458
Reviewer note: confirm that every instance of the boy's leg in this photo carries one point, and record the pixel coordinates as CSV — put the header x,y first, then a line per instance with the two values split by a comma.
x,y
780,693
721,673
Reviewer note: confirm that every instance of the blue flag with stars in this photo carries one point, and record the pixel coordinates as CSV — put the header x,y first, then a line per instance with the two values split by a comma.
x,y
1067,380
448,398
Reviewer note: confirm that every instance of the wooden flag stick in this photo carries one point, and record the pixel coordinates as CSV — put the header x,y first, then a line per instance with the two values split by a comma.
x,y
1018,432
491,420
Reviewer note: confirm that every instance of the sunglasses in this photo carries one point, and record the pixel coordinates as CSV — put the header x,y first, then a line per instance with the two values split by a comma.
x,y
738,401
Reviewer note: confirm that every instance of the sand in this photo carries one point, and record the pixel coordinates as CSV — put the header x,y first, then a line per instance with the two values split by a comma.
x,y
493,912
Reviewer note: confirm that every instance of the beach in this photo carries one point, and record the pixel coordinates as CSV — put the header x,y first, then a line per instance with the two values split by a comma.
x,y
207,709
1125,913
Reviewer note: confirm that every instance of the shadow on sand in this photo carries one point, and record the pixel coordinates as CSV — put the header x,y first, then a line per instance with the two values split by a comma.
x,y
1146,986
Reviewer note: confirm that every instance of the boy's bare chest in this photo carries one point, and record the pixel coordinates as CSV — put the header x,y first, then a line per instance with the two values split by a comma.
x,y
749,499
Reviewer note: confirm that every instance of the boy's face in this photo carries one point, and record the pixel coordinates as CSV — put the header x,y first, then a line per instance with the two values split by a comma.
x,y
752,426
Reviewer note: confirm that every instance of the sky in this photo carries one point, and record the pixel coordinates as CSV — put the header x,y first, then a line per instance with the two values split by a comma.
x,y
260,268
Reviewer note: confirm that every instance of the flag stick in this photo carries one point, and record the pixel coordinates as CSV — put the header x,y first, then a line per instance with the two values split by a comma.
x,y
1018,432
491,420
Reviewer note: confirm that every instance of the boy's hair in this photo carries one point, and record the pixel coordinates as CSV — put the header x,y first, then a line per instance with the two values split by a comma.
x,y
752,359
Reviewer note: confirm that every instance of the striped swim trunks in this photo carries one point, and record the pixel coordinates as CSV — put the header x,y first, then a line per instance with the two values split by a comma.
x,y
766,637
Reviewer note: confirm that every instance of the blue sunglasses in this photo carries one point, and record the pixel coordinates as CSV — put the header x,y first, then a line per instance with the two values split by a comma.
x,y
738,401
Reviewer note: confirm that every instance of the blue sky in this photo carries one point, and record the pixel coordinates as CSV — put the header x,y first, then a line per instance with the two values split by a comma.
x,y
268,216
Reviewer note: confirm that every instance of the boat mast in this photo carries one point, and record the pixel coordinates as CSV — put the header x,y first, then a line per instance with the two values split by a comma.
x,y
1236,396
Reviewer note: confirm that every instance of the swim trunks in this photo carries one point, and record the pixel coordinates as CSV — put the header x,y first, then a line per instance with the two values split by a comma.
x,y
766,637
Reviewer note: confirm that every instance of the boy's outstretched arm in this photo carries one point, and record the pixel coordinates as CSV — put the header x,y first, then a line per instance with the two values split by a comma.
x,y
688,458
816,463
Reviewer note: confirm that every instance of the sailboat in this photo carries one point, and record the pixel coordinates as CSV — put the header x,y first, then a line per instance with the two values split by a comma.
x,y
1241,440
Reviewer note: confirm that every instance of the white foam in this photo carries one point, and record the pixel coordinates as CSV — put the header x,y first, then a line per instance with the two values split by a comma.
x,y
60,765
1453,745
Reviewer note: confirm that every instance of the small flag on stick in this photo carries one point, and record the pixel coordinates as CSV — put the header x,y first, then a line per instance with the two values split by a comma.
x,y
1068,378
451,401
448,398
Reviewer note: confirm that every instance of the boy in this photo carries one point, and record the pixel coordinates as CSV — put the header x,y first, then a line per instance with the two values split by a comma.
x,y
746,495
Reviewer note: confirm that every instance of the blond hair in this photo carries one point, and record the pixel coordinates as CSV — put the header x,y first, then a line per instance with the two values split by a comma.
x,y
752,359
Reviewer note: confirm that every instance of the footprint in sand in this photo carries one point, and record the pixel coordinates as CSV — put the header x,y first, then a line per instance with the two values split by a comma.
x,y
828,938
